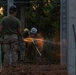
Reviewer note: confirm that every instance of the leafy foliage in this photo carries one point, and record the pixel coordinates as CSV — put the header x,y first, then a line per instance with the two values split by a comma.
x,y
45,16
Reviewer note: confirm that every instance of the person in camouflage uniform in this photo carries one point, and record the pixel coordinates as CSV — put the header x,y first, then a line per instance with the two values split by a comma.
x,y
11,30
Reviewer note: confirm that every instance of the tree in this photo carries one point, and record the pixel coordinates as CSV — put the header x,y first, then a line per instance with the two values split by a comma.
x,y
45,16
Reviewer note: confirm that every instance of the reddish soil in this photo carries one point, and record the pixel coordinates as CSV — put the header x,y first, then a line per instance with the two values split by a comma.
x,y
28,69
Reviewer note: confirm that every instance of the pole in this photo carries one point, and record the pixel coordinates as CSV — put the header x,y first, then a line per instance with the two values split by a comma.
x,y
0,58
9,3
37,49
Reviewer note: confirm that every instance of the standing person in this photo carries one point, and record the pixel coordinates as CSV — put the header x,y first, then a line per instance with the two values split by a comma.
x,y
11,30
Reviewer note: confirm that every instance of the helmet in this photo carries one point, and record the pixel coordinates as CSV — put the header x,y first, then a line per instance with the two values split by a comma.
x,y
26,29
33,30
13,8
26,33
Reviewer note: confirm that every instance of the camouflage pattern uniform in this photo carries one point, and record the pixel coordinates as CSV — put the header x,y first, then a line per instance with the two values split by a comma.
x,y
10,26
10,44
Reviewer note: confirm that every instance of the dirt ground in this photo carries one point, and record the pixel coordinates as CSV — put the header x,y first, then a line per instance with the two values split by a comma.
x,y
34,69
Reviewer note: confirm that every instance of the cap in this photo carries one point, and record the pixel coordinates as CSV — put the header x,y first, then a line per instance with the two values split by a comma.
x,y
13,8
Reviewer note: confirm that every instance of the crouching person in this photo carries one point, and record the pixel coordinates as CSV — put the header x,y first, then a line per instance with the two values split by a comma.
x,y
11,30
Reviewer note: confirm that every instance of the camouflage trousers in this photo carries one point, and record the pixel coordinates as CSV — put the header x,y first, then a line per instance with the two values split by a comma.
x,y
21,45
10,43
